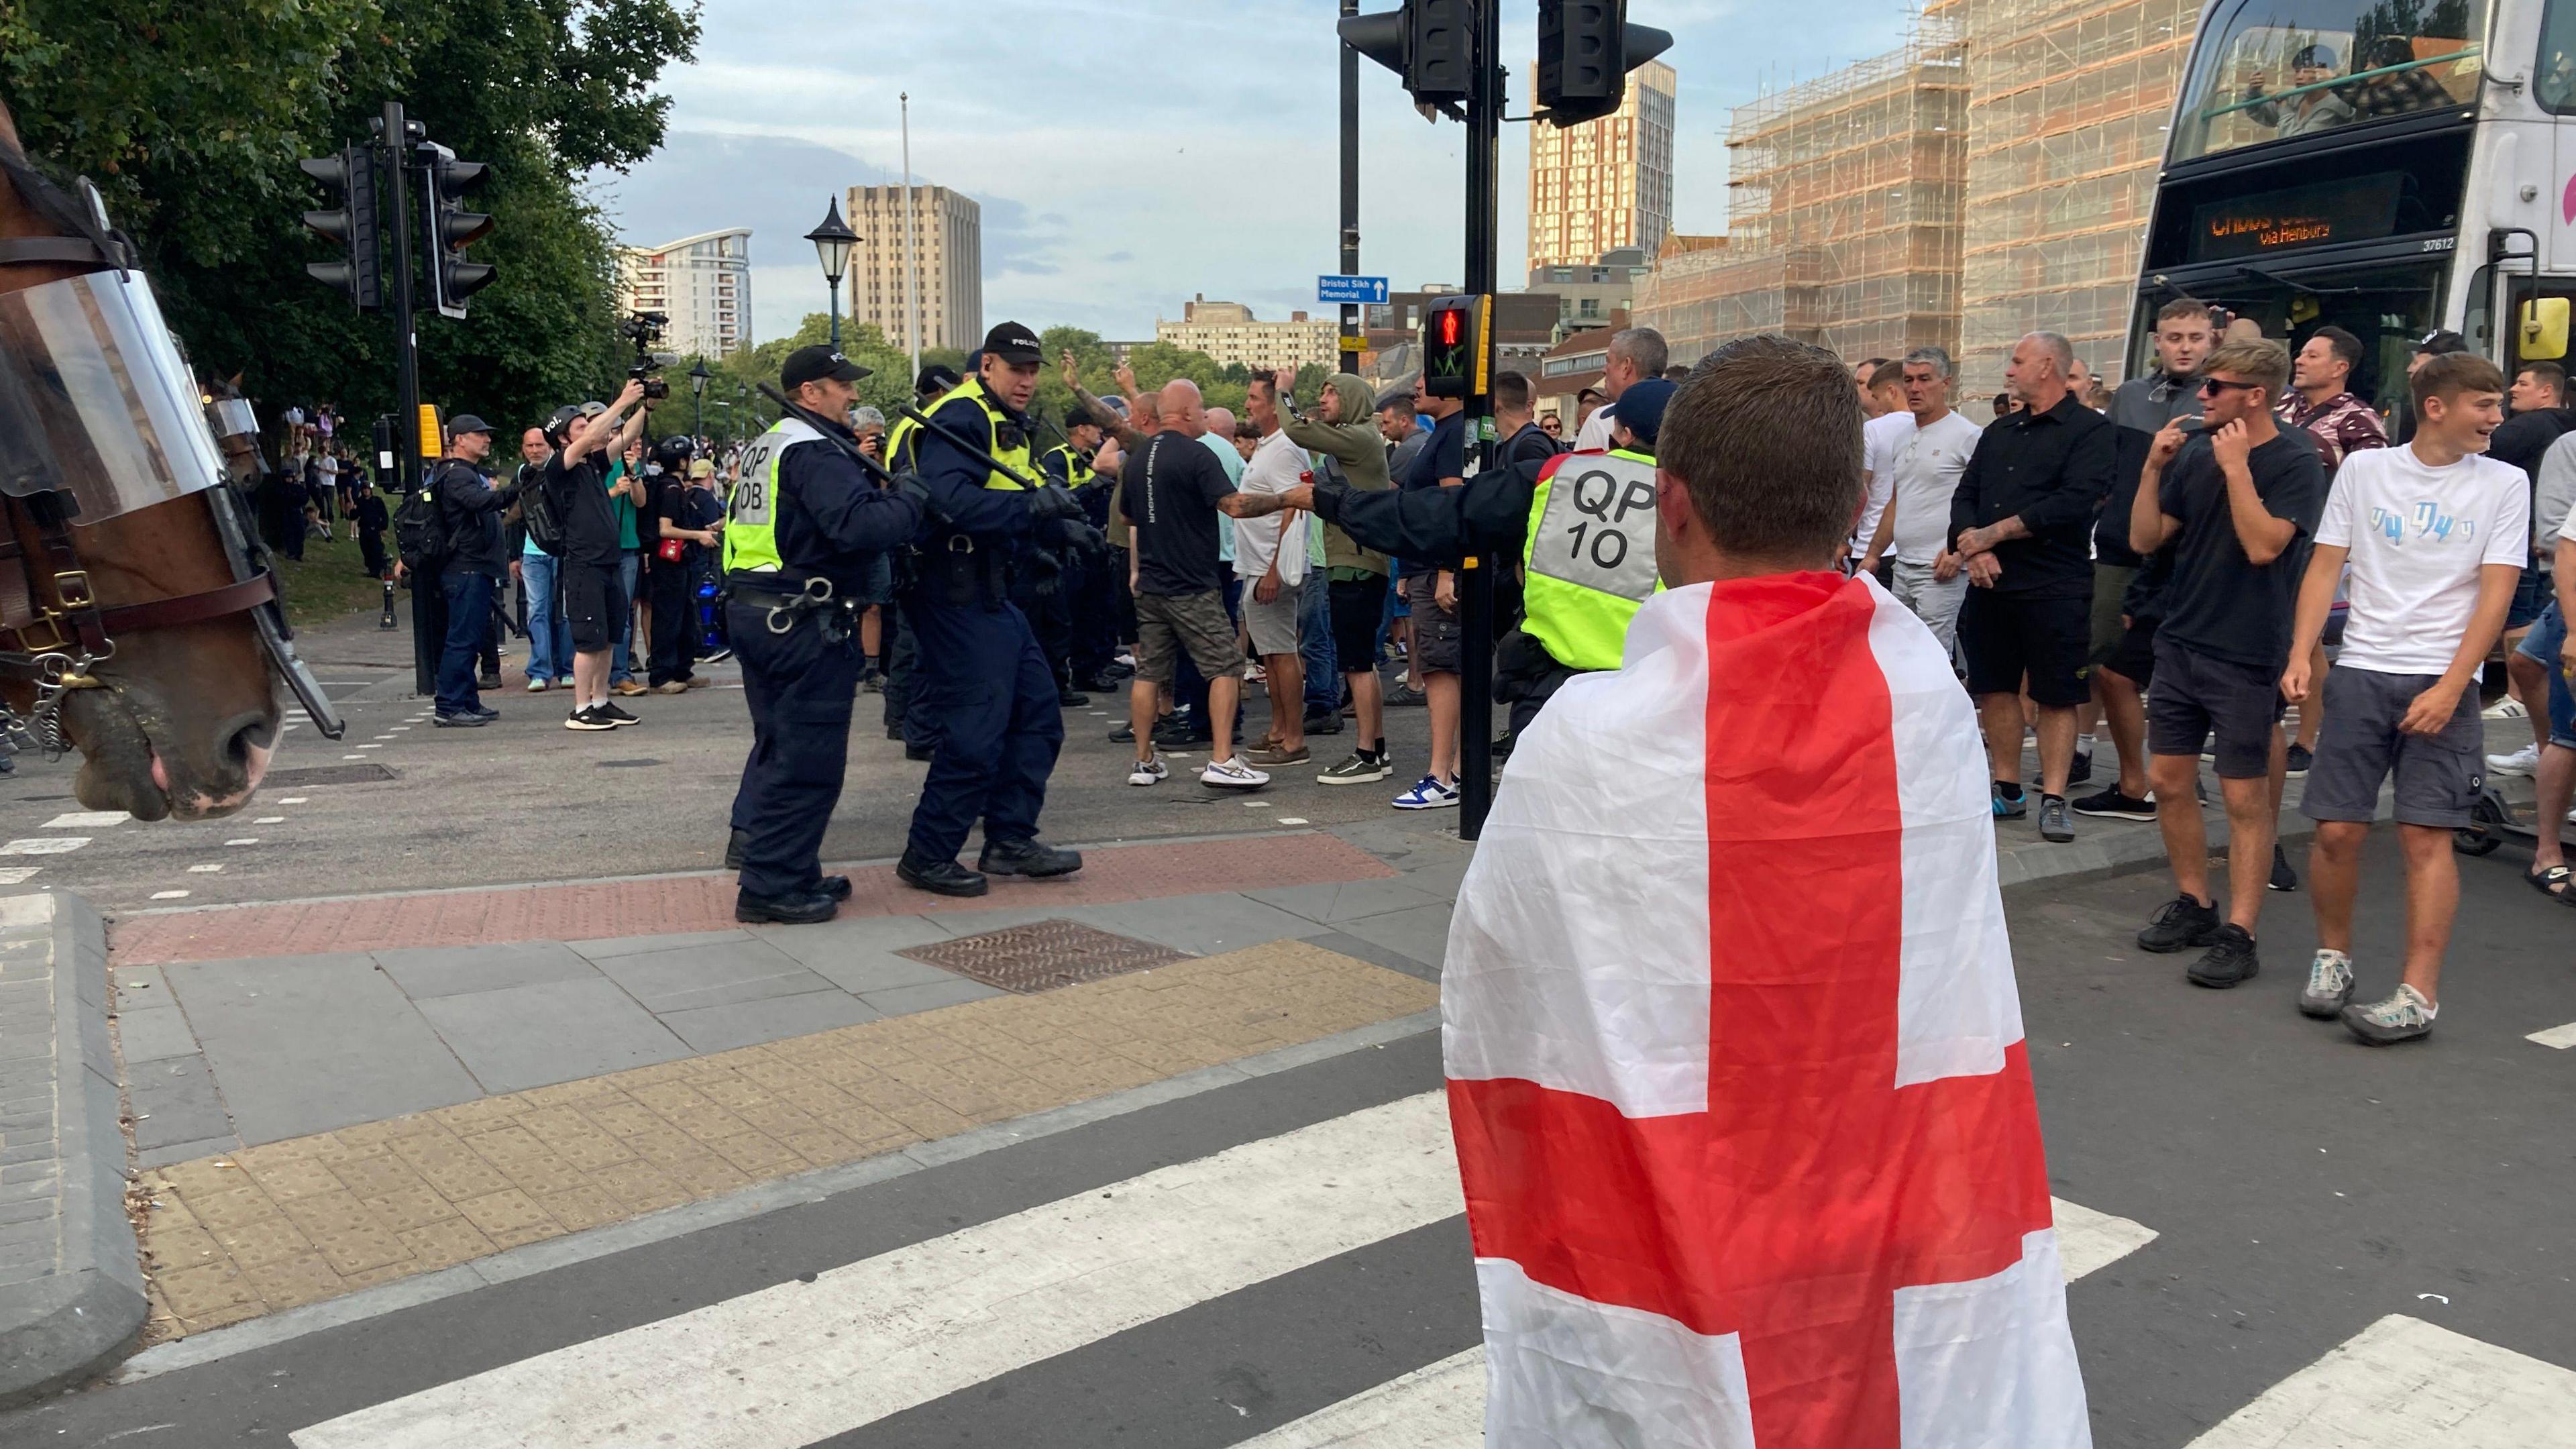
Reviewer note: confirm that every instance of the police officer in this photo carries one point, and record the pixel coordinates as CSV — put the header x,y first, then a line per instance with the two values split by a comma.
x,y
1089,592
1585,526
804,524
985,684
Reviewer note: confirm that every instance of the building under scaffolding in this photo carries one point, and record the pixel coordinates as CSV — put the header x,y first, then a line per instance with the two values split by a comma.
x,y
1843,215
2068,106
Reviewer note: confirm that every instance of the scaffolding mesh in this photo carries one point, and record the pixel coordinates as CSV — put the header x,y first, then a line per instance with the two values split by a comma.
x,y
1844,212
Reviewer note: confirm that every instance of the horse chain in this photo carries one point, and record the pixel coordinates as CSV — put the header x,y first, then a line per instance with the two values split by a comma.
x,y
42,727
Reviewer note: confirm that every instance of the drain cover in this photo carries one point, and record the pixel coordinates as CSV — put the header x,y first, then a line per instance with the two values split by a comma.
x,y
1044,955
327,775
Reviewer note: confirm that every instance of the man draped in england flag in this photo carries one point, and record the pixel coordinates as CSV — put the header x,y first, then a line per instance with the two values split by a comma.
x,y
1735,1058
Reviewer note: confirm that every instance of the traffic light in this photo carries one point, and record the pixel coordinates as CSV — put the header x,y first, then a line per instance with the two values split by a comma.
x,y
360,273
1455,362
1430,43
452,228
1585,50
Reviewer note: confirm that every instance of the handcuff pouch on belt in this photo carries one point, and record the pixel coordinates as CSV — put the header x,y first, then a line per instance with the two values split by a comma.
x,y
964,574
786,608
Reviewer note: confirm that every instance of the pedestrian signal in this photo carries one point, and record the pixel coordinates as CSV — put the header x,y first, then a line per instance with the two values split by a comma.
x,y
1456,359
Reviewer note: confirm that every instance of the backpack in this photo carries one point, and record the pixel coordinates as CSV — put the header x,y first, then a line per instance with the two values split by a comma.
x,y
537,511
421,537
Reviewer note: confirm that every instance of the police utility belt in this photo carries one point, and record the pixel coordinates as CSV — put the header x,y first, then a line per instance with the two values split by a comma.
x,y
788,602
954,570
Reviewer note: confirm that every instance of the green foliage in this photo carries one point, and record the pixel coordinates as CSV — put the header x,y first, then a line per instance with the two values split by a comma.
x,y
191,121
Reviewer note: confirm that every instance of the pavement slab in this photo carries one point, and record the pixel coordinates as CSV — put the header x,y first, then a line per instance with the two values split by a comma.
x,y
250,1232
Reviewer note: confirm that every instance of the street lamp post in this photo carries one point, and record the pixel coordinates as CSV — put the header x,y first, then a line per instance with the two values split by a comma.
x,y
698,376
832,242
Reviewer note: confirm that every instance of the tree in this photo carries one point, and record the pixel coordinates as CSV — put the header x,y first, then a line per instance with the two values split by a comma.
x,y
191,120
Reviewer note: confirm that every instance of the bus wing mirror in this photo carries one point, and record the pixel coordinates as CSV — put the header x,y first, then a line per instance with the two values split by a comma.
x,y
2544,329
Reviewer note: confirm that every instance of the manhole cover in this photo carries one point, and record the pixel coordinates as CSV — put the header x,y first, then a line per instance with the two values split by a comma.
x,y
1044,955
624,764
327,775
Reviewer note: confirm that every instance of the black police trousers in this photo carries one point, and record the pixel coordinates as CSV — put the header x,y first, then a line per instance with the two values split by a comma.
x,y
987,687
799,686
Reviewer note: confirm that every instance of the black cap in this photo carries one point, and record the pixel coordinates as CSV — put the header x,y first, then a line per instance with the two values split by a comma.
x,y
1012,342
1641,408
936,377
2438,343
1078,416
810,364
463,423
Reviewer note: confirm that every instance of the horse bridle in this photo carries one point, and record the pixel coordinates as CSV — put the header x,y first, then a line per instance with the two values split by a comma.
x,y
54,633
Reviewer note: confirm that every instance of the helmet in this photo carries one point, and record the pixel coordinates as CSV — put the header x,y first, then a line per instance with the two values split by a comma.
x,y
674,453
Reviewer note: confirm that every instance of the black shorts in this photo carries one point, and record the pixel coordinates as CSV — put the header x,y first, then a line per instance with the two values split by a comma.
x,y
2198,696
2006,636
1359,607
594,603
2133,658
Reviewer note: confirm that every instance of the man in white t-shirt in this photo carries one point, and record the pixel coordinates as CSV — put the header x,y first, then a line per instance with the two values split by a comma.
x,y
1634,354
2436,534
1270,556
1888,422
1914,461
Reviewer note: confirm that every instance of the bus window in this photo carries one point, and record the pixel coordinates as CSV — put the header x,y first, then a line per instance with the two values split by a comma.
x,y
2272,69
2553,80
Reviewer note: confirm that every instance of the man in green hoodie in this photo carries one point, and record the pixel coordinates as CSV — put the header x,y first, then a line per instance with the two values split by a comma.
x,y
1342,433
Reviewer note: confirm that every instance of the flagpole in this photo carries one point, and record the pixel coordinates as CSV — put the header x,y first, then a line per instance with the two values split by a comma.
x,y
911,262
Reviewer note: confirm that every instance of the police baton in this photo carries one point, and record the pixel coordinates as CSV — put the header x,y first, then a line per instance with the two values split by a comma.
x,y
969,449
831,434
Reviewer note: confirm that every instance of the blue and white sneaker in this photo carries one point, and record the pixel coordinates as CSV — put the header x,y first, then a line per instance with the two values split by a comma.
x,y
1428,794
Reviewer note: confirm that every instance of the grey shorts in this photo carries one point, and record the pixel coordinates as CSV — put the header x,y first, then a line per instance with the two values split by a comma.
x,y
2438,776
1274,625
1436,634
2110,597
2197,696
1168,624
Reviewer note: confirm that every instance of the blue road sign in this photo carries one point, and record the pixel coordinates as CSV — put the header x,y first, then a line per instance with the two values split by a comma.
x,y
1350,289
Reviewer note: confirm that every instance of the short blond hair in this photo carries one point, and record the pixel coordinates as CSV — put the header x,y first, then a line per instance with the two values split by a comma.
x,y
2258,360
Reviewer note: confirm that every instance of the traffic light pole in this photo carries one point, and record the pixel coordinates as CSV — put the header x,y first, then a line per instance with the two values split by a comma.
x,y
1349,360
426,637
1476,579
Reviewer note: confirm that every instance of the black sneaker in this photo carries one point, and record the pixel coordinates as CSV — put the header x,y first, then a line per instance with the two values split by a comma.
x,y
2301,757
486,711
2080,773
2112,805
2283,878
615,716
2054,825
1125,734
2013,806
1070,698
2178,925
461,720
588,719
1323,722
2229,961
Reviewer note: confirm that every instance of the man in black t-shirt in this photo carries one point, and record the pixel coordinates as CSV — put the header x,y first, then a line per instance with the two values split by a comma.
x,y
2233,508
1433,593
594,596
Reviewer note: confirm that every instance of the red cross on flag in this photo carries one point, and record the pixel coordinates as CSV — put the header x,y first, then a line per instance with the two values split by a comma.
x,y
1735,1057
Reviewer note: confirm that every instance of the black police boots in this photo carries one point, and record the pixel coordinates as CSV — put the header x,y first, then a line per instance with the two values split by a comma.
x,y
1026,857
837,887
804,910
939,877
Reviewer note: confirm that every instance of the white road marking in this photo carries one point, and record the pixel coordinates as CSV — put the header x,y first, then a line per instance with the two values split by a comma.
x,y
381,737
244,840
353,757
398,729
86,819
2403,1383
1256,804
44,845
169,895
19,874
204,869
801,1361
270,820
1289,820
1442,1406
2561,1037
368,747
294,800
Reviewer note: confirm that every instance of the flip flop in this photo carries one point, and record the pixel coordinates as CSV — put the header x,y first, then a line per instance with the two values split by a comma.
x,y
2558,882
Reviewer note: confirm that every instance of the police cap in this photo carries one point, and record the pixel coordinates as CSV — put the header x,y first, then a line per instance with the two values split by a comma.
x,y
812,364
937,377
1012,342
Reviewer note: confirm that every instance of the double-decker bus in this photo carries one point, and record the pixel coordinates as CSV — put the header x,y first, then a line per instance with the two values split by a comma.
x,y
2392,167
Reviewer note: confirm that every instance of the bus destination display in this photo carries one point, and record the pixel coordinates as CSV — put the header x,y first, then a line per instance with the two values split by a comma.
x,y
2361,209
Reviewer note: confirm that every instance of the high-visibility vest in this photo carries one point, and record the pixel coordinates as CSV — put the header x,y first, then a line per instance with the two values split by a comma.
x,y
1589,560
899,440
1017,455
751,520
1077,469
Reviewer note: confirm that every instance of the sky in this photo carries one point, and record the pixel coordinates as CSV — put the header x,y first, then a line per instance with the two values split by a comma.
x,y
1131,155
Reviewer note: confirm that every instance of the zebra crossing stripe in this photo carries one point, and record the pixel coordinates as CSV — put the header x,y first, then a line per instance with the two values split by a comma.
x,y
801,1361
2403,1383
1442,1406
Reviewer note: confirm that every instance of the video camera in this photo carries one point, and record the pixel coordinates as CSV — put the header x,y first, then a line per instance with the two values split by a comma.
x,y
643,329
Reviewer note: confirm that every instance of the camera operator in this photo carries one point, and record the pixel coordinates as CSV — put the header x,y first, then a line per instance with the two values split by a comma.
x,y
594,599
469,510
